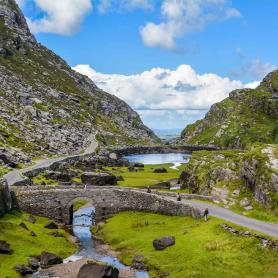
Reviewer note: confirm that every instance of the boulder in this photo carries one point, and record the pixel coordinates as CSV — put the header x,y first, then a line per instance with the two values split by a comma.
x,y
138,262
245,202
56,234
131,169
93,270
5,247
138,165
164,242
8,159
32,219
99,179
23,225
24,270
160,170
51,226
236,193
33,233
34,263
49,259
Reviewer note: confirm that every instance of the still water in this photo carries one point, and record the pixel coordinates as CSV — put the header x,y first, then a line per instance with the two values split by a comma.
x,y
160,158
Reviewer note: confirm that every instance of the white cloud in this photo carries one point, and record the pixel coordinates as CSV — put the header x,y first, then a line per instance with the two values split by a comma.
x,y
20,2
106,5
259,69
182,17
61,17
166,94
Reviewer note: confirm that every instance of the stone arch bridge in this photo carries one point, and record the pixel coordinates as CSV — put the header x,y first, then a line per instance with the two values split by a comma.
x,y
57,203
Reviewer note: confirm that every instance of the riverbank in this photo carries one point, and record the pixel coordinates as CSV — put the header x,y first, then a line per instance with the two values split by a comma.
x,y
24,244
202,249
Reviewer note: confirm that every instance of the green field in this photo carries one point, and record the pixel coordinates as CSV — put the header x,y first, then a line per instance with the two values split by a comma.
x,y
24,245
145,176
202,249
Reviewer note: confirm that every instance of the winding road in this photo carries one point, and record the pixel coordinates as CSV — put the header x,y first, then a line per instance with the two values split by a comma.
x,y
17,176
267,228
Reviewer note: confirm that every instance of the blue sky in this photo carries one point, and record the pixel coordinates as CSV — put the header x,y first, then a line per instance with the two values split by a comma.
x,y
234,41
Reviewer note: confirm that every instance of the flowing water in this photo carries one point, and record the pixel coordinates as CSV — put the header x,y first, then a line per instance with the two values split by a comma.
x,y
83,219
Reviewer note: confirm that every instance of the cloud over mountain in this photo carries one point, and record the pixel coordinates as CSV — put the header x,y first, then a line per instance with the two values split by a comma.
x,y
178,93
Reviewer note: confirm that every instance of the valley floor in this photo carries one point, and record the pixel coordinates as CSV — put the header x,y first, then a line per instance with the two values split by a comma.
x,y
202,249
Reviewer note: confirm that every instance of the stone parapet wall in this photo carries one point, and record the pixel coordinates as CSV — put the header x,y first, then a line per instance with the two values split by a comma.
x,y
161,149
56,203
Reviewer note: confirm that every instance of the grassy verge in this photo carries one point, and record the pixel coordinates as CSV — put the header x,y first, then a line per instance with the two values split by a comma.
x,y
24,245
202,249
145,176
79,204
3,171
40,179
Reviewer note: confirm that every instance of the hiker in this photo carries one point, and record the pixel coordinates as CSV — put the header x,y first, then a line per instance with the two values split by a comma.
x,y
179,197
149,190
85,187
206,212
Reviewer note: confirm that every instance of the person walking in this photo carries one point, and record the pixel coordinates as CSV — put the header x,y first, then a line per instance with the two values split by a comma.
x,y
179,197
85,187
149,190
206,212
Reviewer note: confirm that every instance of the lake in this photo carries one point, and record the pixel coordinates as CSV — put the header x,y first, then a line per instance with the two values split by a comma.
x,y
160,158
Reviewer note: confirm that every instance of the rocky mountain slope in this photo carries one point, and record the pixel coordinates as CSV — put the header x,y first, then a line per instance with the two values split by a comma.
x,y
234,175
245,117
46,107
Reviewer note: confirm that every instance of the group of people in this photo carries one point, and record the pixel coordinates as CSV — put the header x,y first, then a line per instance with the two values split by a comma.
x,y
206,211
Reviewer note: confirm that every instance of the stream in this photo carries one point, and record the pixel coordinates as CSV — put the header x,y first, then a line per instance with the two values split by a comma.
x,y
83,219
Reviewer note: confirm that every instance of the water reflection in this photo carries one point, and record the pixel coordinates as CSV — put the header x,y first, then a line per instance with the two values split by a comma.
x,y
159,158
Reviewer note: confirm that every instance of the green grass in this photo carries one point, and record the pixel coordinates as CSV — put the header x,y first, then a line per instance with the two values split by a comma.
x,y
146,176
40,179
3,171
24,245
202,249
79,204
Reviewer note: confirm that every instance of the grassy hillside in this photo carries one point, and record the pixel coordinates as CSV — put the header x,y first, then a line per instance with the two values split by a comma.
x,y
247,116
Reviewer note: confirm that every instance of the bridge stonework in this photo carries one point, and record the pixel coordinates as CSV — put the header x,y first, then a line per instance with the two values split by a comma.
x,y
57,203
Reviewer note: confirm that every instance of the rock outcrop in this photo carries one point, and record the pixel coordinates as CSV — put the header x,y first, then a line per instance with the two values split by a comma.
x,y
247,116
48,108
230,176
5,198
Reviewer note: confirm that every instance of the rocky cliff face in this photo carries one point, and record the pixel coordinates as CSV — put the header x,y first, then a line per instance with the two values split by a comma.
x,y
46,107
234,175
246,116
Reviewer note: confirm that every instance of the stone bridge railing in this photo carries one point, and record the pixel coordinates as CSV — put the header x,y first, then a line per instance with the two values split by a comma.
x,y
57,203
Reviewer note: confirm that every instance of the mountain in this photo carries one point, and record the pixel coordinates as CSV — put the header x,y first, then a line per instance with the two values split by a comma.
x,y
48,108
247,116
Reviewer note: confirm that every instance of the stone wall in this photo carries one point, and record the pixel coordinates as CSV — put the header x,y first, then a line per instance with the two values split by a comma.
x,y
56,203
5,198
161,149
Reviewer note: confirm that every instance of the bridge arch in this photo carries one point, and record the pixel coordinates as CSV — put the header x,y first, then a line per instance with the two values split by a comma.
x,y
56,203
68,209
